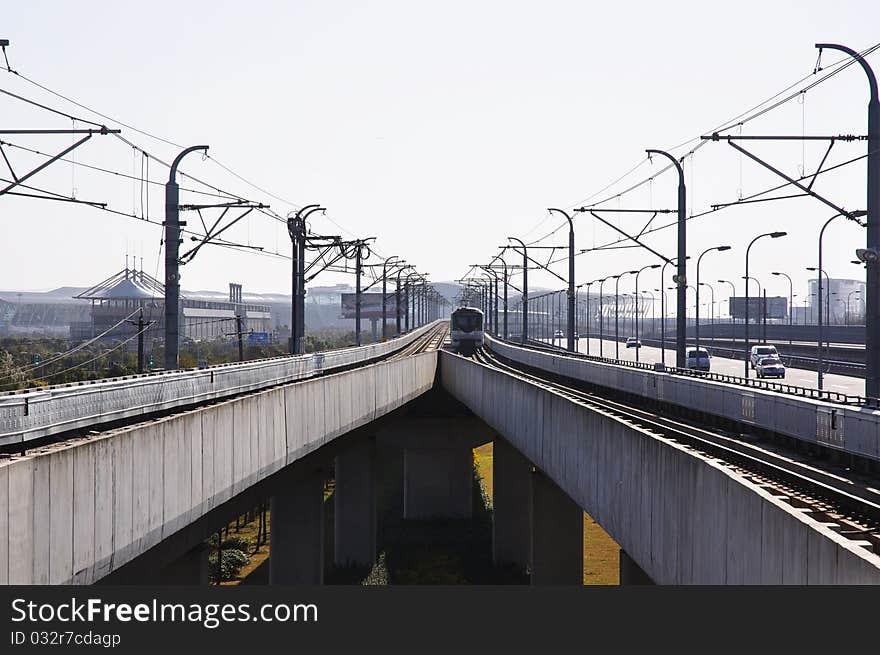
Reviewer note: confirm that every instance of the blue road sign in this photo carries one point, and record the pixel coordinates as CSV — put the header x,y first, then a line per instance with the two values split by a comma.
x,y
258,338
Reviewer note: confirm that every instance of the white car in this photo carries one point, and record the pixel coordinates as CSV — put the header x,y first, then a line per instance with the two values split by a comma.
x,y
698,359
770,367
559,334
632,342
760,351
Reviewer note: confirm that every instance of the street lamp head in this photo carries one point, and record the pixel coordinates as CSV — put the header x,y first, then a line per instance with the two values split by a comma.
x,y
630,272
867,255
722,248
776,235
654,266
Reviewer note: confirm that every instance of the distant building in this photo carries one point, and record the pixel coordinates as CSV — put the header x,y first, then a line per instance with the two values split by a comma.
x,y
843,301
116,301
7,312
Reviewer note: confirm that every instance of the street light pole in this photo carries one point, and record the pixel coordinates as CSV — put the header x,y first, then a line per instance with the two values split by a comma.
x,y
397,296
730,309
385,294
571,307
653,321
712,307
587,310
296,228
680,278
504,264
636,301
172,262
848,296
872,273
772,235
697,289
524,337
663,312
490,270
617,312
602,318
819,273
790,301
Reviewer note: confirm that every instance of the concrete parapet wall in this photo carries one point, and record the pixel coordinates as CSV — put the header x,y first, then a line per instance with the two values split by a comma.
x,y
682,518
845,427
75,511
31,414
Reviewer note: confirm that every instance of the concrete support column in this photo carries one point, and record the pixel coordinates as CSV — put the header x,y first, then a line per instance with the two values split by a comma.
x,y
191,568
630,572
389,484
511,496
438,482
354,499
557,541
296,549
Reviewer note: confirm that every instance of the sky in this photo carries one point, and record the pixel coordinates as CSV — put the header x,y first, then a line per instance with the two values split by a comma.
x,y
440,129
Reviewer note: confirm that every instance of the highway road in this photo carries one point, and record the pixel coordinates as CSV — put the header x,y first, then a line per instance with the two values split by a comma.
x,y
725,366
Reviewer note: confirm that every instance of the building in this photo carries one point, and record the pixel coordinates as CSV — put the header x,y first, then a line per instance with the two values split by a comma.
x,y
119,301
843,301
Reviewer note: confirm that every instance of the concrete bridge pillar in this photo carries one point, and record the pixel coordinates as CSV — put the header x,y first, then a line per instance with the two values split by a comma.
x,y
630,572
296,548
557,534
354,501
438,479
191,568
511,496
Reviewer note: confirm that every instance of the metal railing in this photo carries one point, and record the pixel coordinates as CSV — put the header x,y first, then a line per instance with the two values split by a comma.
x,y
778,387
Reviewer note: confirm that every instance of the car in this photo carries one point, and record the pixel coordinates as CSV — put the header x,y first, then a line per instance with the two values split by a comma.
x,y
762,350
632,342
697,359
770,367
558,334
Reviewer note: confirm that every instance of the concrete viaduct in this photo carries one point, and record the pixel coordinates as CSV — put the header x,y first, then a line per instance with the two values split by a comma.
x,y
133,504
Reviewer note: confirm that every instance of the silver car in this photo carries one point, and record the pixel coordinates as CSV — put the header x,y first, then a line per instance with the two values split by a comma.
x,y
770,367
763,350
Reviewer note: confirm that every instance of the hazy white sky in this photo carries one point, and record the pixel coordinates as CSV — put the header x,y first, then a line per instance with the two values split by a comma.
x,y
439,128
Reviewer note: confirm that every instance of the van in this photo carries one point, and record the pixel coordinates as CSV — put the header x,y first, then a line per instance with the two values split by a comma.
x,y
760,352
697,359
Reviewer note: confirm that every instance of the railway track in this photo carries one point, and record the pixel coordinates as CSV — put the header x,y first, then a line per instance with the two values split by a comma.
x,y
432,340
846,503
95,419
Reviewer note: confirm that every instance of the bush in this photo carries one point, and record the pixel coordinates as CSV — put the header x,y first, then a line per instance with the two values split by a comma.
x,y
233,561
236,542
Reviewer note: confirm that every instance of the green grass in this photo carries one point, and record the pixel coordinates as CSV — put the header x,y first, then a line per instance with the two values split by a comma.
x,y
601,552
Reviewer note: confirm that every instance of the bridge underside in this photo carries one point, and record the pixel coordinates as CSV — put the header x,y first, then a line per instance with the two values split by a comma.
x,y
78,510
680,517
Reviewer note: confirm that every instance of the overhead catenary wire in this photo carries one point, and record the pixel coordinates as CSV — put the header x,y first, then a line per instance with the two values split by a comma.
x,y
85,344
222,192
216,242
756,111
742,201
93,359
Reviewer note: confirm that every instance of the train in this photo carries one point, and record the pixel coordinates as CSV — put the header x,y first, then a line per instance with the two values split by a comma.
x,y
466,330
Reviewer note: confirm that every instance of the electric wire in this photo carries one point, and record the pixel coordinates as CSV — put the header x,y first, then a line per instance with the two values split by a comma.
x,y
27,369
739,120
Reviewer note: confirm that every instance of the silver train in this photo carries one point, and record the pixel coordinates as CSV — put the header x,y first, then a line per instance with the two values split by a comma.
x,y
466,329
29,415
